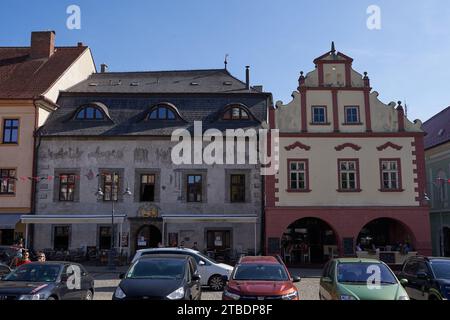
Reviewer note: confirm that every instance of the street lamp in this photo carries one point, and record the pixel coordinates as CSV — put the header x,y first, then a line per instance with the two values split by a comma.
x,y
100,194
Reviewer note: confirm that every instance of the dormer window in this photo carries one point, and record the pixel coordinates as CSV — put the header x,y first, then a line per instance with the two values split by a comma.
x,y
236,113
161,113
90,113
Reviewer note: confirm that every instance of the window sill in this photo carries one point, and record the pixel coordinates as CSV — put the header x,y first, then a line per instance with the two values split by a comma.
x,y
7,195
391,190
12,144
298,191
320,124
349,191
352,124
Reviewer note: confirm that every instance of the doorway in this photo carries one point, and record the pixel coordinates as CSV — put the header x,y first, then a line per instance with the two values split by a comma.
x,y
105,238
61,238
218,244
148,236
6,237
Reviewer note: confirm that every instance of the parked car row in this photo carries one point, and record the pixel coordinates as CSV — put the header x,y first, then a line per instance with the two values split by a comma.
x,y
181,274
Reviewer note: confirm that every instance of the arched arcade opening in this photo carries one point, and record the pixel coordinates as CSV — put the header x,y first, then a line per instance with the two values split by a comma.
x,y
309,241
386,234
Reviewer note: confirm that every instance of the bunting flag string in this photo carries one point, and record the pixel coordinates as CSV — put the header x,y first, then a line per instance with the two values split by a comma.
x,y
48,178
78,177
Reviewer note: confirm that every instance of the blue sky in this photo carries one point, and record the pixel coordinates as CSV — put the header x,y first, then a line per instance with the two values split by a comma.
x,y
406,60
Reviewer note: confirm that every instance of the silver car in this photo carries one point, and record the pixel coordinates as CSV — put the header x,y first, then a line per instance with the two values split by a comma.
x,y
211,272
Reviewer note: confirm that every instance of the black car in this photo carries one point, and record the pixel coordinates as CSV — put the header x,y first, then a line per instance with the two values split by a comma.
x,y
428,278
4,270
47,281
160,277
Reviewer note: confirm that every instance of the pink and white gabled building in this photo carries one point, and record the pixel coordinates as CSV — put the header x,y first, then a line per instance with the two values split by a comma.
x,y
351,169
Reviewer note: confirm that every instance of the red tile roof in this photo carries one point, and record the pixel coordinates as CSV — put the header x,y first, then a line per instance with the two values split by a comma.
x,y
24,78
437,129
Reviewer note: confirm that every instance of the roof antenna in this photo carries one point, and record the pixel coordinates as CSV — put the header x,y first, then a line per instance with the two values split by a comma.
x,y
333,48
406,109
226,61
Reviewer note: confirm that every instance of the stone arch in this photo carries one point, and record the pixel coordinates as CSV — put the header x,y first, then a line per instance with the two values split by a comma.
x,y
316,234
386,231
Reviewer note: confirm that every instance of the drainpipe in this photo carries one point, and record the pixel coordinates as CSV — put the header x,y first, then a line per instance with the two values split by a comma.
x,y
36,143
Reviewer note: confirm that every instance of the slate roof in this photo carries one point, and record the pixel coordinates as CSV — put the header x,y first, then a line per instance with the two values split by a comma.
x,y
24,78
181,81
128,105
437,129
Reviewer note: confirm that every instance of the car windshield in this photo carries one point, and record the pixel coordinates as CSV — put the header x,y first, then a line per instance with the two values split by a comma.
x,y
359,273
157,269
441,269
34,273
263,272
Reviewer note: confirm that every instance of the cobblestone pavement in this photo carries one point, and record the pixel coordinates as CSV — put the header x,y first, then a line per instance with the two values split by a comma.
x,y
106,283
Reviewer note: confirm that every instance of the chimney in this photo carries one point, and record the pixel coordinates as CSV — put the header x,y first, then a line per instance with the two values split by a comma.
x,y
103,68
247,77
42,44
259,88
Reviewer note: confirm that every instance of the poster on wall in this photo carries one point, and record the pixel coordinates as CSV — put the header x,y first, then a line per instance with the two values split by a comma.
x,y
124,240
142,242
348,244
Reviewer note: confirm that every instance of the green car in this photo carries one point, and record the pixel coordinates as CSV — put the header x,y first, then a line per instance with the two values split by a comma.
x,y
360,279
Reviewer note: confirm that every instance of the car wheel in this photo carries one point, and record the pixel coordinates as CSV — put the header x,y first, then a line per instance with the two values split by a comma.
x,y
89,295
51,298
216,283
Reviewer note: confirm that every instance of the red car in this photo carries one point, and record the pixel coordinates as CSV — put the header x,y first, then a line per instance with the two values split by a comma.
x,y
261,278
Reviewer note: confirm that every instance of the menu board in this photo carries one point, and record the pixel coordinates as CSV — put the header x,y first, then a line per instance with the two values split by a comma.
x,y
274,246
349,247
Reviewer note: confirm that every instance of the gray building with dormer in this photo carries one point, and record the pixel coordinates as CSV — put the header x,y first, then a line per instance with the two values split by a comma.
x,y
104,157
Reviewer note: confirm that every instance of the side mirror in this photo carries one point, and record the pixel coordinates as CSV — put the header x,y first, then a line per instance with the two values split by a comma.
x,y
122,276
404,282
327,280
224,279
201,263
422,276
296,279
64,277
196,277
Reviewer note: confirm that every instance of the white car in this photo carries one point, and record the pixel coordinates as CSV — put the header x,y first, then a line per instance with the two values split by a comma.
x,y
211,272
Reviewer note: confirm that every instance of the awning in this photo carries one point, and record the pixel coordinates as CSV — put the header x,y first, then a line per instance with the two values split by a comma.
x,y
72,219
9,220
190,218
